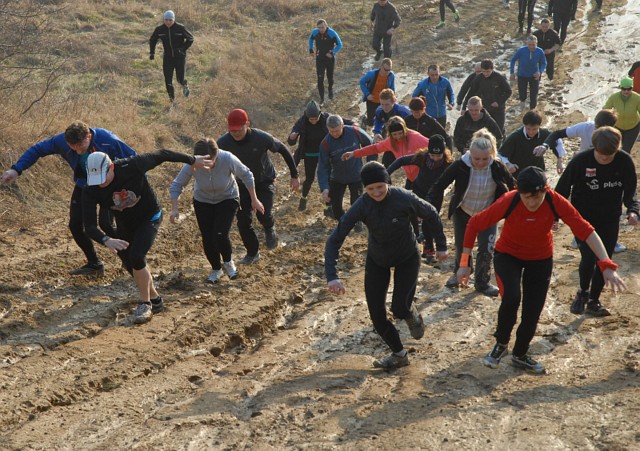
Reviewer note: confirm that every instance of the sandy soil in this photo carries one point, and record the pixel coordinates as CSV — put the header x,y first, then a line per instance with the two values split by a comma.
x,y
272,361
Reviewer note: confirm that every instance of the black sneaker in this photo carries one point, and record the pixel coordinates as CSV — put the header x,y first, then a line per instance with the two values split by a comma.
x,y
492,360
90,269
271,237
392,361
302,206
328,212
594,308
378,55
579,302
358,227
330,93
415,323
249,259
527,363
185,90
157,305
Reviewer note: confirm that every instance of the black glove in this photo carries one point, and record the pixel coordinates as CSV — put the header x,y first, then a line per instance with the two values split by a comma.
x,y
152,57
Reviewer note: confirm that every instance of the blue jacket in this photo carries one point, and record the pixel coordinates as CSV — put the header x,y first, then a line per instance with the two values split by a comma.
x,y
381,117
528,62
330,162
368,81
102,140
329,42
436,95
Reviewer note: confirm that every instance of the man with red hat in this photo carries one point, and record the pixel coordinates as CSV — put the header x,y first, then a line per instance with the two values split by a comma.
x,y
250,145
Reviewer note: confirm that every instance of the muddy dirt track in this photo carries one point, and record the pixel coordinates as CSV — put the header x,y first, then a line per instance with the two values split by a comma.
x,y
273,361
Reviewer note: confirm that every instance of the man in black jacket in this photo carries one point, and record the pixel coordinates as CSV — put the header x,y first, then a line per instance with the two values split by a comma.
x,y
475,118
384,21
251,146
549,41
176,39
494,90
563,11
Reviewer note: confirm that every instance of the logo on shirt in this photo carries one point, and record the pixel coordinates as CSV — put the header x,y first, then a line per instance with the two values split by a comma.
x,y
590,172
124,199
593,184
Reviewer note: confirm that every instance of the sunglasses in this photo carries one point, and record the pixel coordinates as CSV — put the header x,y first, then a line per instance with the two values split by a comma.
x,y
626,89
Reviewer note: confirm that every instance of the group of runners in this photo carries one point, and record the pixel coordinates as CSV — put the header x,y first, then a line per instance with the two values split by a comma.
x,y
492,180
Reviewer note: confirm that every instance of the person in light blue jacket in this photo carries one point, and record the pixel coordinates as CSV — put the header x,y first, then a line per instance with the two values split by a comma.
x,y
531,64
438,94
373,83
328,44
215,201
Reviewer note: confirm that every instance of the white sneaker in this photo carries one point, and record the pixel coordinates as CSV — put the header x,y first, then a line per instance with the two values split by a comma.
x,y
214,277
619,248
574,243
230,269
505,3
143,313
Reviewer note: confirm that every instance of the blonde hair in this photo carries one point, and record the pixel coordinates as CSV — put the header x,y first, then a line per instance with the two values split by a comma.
x,y
484,140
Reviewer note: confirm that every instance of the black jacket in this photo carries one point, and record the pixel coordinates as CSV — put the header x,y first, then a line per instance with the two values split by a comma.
x,y
563,7
494,88
310,136
428,126
389,222
462,97
466,127
175,40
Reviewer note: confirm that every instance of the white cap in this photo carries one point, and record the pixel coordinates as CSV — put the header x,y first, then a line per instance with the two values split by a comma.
x,y
169,15
98,165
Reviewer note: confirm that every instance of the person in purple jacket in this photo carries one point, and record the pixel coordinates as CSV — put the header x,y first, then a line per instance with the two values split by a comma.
x,y
531,64
75,145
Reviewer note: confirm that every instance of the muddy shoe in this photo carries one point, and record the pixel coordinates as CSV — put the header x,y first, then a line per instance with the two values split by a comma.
x,y
271,237
358,227
489,290
185,90
378,55
157,305
415,323
392,361
440,25
579,302
452,282
249,259
302,206
328,213
527,363
429,256
215,276
143,313
594,308
90,269
456,16
230,269
492,360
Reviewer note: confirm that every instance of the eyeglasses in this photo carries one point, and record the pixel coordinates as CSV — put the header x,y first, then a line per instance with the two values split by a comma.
x,y
626,89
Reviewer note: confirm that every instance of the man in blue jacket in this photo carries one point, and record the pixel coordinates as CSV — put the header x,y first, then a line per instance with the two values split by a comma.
x,y
75,145
327,43
531,64
438,93
372,84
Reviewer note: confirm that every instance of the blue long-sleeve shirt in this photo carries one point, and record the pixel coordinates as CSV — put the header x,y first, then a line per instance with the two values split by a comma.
x,y
368,82
325,43
436,95
102,140
381,117
529,62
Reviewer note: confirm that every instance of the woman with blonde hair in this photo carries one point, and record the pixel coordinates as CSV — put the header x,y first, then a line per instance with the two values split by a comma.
x,y
401,142
480,178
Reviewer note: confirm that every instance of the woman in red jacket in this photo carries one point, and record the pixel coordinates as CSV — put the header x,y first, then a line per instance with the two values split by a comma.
x,y
523,259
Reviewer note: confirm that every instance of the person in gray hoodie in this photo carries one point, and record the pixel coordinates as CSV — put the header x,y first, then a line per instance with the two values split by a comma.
x,y
384,22
215,201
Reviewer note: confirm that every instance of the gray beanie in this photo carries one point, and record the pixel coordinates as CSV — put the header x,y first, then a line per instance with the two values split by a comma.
x,y
169,15
313,109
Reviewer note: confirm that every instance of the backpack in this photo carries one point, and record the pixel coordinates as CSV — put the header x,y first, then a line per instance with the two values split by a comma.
x,y
516,199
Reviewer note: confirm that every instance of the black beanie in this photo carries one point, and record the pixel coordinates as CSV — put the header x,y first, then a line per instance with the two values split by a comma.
x,y
531,180
437,145
374,172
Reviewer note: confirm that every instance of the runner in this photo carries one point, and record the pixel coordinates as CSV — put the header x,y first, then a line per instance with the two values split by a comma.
x,y
215,201
549,42
123,187
464,94
479,179
531,64
563,12
75,145
176,39
424,124
599,181
436,90
328,44
494,90
474,119
627,105
384,22
525,7
524,259
251,146
431,163
372,84
387,212
452,7
388,108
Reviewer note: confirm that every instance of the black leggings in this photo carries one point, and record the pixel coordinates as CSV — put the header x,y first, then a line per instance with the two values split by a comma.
x,y
561,23
310,166
526,280
169,64
449,4
265,192
325,64
376,285
629,137
526,6
76,225
336,193
591,278
371,111
140,238
214,221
